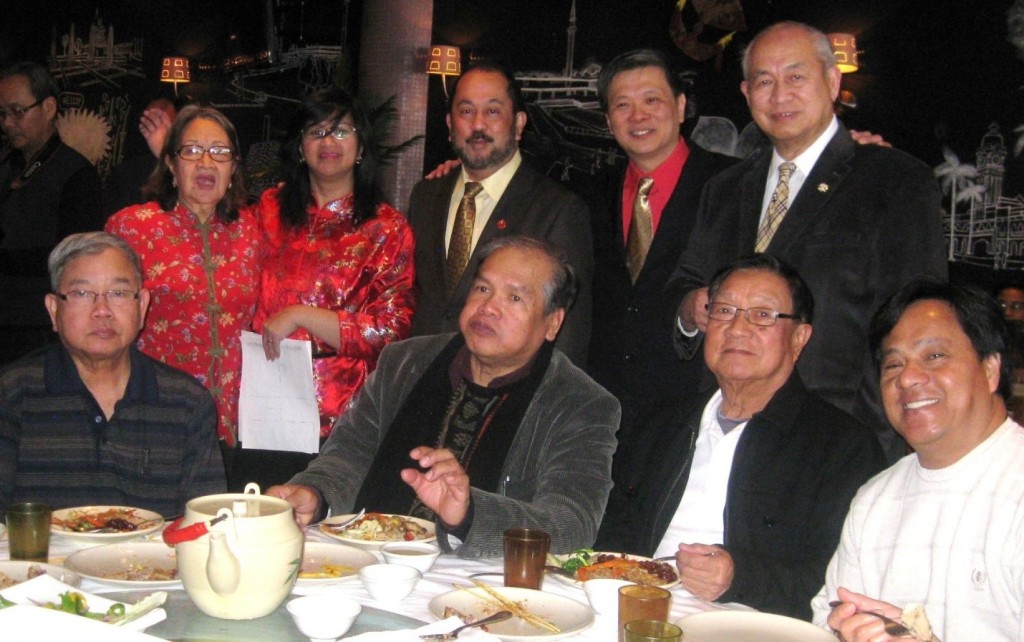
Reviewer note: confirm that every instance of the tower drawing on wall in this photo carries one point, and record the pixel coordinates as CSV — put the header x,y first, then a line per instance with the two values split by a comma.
x,y
983,227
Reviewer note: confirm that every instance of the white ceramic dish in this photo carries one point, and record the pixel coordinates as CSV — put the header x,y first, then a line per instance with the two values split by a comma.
x,y
639,558
389,582
567,614
154,523
18,571
373,545
419,555
315,555
100,562
325,616
603,595
749,626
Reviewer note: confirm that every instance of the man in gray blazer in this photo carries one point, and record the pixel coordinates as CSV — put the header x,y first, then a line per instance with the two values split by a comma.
x,y
485,122
859,221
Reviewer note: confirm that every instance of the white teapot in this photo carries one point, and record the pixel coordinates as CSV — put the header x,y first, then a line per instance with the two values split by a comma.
x,y
238,553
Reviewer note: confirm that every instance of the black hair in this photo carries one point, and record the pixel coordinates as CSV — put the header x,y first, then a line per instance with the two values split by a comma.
x,y
636,59
560,291
799,291
514,92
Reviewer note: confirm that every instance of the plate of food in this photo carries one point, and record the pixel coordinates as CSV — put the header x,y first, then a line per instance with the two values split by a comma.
x,y
749,626
104,524
373,530
47,592
536,615
136,565
16,572
586,564
323,562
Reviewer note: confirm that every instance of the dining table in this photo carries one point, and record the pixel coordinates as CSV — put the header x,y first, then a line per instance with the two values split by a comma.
x,y
186,623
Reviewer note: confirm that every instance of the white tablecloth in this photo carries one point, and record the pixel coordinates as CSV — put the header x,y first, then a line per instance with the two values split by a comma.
x,y
446,572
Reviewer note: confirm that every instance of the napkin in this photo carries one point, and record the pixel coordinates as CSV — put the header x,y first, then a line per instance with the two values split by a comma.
x,y
412,635
48,589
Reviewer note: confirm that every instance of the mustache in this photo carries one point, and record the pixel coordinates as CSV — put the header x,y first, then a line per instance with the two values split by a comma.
x,y
479,136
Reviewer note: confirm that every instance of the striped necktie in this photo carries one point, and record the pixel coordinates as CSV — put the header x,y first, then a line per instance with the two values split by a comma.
x,y
461,244
776,208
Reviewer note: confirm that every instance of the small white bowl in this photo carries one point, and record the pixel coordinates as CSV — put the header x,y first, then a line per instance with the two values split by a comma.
x,y
419,555
389,582
603,595
324,616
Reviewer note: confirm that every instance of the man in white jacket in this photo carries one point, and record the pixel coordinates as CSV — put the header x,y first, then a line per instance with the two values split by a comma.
x,y
942,527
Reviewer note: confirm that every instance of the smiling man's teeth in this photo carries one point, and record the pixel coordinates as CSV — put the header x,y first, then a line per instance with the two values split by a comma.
x,y
914,405
642,132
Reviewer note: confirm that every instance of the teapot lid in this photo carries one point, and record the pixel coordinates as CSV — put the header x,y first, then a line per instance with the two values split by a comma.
x,y
242,505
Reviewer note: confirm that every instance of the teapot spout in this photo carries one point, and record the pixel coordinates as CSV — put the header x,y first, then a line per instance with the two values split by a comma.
x,y
222,568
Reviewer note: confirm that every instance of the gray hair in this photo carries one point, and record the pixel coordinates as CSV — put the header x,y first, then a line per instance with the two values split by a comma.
x,y
87,244
822,46
560,290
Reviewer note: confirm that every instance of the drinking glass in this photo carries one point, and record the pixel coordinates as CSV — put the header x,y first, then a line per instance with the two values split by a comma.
x,y
526,550
28,529
641,602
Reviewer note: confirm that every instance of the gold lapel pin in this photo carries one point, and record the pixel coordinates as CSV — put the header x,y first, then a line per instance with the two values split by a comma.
x,y
822,187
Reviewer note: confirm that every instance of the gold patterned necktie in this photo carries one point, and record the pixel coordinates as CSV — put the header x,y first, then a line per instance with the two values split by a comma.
x,y
461,243
641,229
777,208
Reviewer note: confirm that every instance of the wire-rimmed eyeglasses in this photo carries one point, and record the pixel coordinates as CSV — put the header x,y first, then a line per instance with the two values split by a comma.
x,y
219,153
341,131
17,113
114,298
758,316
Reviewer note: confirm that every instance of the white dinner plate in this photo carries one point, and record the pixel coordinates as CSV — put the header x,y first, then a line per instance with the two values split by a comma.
x,y
574,582
373,545
153,521
749,626
315,555
18,571
99,563
567,614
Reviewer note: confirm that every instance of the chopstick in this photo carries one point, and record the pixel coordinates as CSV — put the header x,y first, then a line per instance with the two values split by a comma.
x,y
497,599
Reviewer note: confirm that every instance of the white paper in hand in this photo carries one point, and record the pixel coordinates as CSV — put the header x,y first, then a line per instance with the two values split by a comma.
x,y
277,409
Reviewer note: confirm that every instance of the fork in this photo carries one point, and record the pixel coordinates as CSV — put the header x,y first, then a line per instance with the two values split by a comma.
x,y
892,627
340,526
500,616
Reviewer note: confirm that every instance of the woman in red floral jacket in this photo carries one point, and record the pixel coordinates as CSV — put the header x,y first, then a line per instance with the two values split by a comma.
x,y
339,270
200,248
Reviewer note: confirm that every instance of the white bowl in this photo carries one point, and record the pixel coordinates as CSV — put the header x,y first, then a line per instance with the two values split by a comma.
x,y
389,582
419,555
324,616
603,595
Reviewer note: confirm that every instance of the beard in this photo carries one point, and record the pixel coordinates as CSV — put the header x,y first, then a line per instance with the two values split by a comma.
x,y
497,157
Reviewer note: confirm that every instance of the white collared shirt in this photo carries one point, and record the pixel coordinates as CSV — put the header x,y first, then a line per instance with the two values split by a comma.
x,y
699,517
493,188
804,164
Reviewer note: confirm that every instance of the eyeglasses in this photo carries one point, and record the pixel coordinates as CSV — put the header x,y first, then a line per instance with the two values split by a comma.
x,y
341,131
218,153
758,316
17,113
1016,306
83,298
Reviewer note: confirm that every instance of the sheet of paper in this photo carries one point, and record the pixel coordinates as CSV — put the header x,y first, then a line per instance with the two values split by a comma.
x,y
277,408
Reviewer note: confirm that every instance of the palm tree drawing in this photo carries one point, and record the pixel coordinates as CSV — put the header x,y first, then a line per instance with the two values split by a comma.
x,y
955,176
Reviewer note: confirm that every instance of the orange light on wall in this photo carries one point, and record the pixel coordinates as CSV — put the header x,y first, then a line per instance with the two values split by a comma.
x,y
844,46
444,61
175,70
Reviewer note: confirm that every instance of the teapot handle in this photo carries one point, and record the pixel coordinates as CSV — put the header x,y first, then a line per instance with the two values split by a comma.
x,y
175,534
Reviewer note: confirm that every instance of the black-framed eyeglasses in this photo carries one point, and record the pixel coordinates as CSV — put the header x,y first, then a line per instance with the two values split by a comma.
x,y
341,131
1016,306
82,298
219,153
17,113
758,316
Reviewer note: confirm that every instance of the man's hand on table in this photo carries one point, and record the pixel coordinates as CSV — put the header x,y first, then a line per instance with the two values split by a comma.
x,y
443,487
304,499
706,571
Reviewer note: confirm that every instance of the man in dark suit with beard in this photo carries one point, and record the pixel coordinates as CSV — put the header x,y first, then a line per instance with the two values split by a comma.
x,y
631,352
856,221
494,194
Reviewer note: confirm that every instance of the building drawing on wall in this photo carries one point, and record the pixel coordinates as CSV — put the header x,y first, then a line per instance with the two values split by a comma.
x,y
987,227
98,59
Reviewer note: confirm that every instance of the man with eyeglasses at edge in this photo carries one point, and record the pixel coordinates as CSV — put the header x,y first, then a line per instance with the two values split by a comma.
x,y
47,191
749,489
92,420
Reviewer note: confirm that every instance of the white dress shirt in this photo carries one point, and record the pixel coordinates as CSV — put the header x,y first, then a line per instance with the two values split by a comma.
x,y
804,164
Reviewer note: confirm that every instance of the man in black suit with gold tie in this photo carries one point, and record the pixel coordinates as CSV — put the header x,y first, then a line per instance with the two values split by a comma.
x,y
493,194
857,221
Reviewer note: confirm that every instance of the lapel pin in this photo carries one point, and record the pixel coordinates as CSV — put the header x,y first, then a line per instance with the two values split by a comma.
x,y
822,187
502,224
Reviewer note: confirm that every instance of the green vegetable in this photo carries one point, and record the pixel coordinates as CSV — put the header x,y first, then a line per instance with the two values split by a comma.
x,y
76,604
579,557
4,603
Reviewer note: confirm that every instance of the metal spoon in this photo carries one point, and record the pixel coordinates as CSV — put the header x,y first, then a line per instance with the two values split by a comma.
x,y
340,526
500,616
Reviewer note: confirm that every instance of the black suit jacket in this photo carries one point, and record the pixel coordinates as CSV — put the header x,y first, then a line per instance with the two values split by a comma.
x,y
532,205
866,221
631,351
797,465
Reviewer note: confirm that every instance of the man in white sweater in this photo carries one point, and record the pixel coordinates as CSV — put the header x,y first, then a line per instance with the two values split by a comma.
x,y
942,527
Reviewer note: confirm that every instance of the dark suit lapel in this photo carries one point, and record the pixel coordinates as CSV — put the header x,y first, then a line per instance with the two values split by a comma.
x,y
824,180
434,226
751,196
